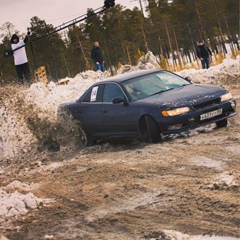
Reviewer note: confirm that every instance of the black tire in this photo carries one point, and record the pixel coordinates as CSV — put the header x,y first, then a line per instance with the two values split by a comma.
x,y
222,123
75,130
153,130
85,139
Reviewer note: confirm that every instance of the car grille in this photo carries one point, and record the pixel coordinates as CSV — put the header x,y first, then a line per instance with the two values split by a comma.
x,y
207,104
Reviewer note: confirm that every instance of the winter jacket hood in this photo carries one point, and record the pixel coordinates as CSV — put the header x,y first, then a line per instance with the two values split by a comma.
x,y
14,36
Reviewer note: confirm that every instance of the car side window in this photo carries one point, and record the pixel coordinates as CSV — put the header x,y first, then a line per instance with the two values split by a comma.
x,y
111,91
95,94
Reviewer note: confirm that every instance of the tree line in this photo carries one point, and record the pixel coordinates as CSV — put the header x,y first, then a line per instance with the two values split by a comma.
x,y
170,30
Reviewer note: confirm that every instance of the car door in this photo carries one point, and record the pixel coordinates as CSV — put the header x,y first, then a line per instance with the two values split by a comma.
x,y
89,111
117,118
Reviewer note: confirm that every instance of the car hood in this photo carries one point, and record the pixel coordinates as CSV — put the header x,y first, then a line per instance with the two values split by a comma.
x,y
187,95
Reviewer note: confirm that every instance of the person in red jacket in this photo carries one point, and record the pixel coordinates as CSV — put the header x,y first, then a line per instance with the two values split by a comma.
x,y
204,54
20,58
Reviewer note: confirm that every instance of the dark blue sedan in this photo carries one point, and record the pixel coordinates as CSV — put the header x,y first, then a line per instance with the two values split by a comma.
x,y
148,104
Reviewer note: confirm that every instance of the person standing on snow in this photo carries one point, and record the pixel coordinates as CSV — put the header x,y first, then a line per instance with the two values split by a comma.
x,y
204,54
20,58
97,57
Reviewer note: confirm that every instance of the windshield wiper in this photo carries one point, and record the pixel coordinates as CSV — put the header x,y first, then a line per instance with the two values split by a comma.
x,y
162,91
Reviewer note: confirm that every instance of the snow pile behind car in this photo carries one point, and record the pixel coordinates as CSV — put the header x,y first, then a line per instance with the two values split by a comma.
x,y
28,113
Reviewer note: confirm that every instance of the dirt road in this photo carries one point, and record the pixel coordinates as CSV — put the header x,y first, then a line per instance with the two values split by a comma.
x,y
190,183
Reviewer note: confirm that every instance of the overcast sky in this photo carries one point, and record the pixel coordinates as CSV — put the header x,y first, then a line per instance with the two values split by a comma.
x,y
55,12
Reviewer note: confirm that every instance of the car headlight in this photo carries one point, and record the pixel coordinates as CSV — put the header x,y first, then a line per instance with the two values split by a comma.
x,y
175,112
226,97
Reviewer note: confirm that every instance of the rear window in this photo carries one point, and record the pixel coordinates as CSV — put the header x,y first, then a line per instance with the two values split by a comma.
x,y
95,94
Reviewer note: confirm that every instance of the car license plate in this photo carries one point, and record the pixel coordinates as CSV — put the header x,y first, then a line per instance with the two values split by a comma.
x,y
210,114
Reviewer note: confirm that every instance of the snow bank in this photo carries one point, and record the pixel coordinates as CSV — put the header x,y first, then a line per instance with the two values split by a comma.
x,y
225,180
22,111
174,235
227,72
14,204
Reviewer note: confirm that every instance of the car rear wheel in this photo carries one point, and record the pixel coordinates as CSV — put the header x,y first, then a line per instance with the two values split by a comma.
x,y
153,130
85,139
222,123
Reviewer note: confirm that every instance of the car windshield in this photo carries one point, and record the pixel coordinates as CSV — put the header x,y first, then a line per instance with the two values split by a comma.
x,y
154,83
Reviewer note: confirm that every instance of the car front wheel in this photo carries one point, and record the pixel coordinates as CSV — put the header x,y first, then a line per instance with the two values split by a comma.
x,y
153,130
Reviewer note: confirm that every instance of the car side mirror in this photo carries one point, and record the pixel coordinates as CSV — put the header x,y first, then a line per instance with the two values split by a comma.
x,y
188,79
117,100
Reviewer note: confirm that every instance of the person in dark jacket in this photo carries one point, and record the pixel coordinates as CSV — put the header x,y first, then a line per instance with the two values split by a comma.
x,y
20,58
97,57
204,54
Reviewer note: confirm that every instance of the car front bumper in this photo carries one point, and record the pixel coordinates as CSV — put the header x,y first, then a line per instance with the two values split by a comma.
x,y
191,120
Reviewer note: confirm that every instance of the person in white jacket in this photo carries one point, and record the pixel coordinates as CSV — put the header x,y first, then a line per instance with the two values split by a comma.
x,y
20,58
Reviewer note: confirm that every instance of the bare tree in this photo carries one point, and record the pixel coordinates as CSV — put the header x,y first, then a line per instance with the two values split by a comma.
x,y
7,29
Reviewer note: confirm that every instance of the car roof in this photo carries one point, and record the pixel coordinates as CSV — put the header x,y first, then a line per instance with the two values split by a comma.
x,y
126,76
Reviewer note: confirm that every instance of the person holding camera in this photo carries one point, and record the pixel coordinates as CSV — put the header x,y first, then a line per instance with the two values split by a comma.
x,y
20,58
